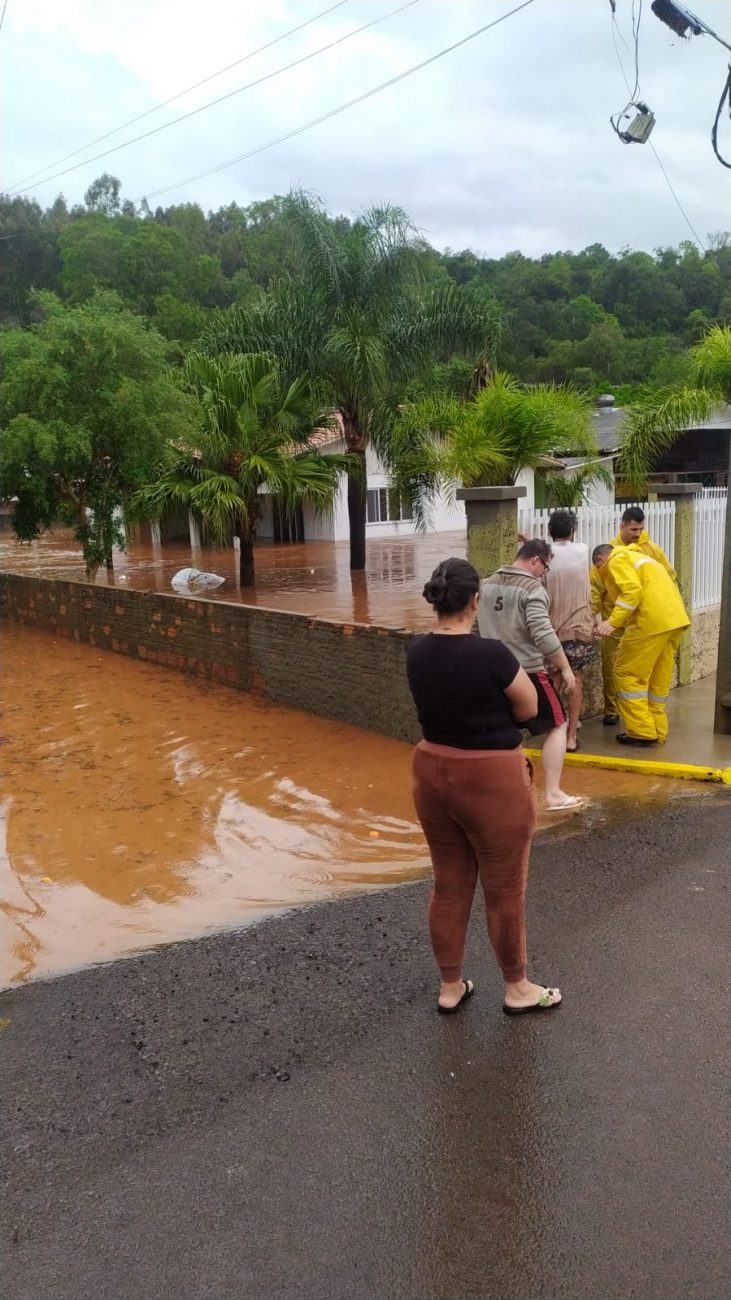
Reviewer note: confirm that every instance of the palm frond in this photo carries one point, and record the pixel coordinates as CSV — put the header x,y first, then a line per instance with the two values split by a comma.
x,y
711,360
445,321
357,361
654,424
319,244
568,490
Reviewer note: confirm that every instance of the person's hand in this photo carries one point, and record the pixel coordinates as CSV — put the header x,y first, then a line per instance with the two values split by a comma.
x,y
568,679
604,628
523,537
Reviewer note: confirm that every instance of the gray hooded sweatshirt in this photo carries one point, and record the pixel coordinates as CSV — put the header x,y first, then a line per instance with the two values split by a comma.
x,y
513,609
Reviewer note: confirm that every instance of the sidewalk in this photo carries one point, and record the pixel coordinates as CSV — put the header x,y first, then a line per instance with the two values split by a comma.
x,y
692,749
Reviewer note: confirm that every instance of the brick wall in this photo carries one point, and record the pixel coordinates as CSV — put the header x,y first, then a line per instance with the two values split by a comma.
x,y
349,673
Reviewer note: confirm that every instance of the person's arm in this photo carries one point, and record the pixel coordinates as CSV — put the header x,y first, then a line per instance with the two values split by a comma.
x,y
597,589
629,592
543,636
523,696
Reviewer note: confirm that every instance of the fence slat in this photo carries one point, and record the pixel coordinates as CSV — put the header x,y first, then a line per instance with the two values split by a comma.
x,y
709,527
597,524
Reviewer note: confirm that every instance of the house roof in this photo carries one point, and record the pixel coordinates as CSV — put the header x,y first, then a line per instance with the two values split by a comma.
x,y
326,437
608,421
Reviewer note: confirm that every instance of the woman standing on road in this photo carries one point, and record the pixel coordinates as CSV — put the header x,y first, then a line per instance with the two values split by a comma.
x,y
473,788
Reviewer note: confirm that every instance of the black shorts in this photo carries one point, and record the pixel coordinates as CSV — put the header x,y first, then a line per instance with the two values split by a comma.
x,y
550,709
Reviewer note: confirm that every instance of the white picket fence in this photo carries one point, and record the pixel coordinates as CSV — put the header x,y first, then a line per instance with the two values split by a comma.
x,y
597,524
709,527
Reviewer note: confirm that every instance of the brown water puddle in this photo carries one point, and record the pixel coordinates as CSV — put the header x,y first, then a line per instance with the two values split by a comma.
x,y
313,578
141,807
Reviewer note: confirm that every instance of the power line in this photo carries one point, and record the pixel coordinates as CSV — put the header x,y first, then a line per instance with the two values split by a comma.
x,y
221,99
324,117
656,155
237,62
2,15
691,227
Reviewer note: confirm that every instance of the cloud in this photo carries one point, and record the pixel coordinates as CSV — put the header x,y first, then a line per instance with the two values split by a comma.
x,y
503,144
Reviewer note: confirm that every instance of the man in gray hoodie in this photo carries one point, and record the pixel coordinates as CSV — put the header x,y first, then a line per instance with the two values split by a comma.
x,y
514,609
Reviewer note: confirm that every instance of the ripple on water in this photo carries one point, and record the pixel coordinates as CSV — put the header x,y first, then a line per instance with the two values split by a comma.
x,y
165,808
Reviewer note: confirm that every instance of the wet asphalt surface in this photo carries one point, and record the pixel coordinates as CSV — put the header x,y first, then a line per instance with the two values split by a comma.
x,y
280,1112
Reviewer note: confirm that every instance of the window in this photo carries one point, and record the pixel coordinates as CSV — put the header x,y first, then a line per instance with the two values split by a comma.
x,y
384,505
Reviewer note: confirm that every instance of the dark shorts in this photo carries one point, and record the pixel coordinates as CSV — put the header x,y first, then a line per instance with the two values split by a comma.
x,y
550,709
579,654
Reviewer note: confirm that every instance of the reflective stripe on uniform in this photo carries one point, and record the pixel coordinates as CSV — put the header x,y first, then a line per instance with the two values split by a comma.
x,y
631,695
643,559
658,699
623,604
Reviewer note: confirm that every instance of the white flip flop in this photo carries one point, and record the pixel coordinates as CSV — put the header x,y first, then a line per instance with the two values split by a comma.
x,y
572,804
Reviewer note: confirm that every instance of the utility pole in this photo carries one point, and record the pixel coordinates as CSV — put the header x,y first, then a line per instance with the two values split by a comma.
x,y
722,717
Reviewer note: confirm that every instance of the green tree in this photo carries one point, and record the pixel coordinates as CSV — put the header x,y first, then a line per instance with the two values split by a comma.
x,y
254,439
441,441
103,195
87,398
360,317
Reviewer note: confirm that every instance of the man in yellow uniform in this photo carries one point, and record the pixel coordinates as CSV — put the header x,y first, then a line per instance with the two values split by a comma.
x,y
647,604
632,532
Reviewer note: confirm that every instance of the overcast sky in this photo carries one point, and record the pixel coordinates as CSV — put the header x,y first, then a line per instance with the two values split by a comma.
x,y
503,144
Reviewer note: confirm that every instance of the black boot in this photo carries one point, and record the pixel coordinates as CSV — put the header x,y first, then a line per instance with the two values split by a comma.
x,y
624,739
611,719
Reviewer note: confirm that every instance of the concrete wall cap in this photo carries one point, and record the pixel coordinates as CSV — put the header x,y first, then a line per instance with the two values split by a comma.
x,y
675,489
506,493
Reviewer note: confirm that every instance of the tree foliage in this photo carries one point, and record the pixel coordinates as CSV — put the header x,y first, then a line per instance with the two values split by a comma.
x,y
254,438
87,399
593,318
441,441
657,420
363,314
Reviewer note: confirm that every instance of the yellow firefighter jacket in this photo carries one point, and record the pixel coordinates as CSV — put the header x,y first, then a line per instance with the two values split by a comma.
x,y
642,593
601,602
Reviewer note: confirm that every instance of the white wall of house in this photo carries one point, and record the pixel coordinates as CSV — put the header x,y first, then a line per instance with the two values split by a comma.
x,y
598,493
445,515
526,479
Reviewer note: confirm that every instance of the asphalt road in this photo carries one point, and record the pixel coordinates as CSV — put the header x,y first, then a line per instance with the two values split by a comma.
x,y
280,1113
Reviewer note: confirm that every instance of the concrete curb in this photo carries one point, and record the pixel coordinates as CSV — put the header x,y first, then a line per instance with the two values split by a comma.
x,y
682,771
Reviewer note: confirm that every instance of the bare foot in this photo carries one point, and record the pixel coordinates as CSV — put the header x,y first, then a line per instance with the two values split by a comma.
x,y
453,993
526,994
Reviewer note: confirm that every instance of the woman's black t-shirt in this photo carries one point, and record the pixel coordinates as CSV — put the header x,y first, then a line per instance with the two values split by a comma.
x,y
457,683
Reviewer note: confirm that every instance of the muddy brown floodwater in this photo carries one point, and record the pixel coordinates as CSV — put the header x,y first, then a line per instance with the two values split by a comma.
x,y
141,807
312,578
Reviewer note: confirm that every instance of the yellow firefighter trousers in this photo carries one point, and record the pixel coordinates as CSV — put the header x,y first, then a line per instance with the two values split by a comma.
x,y
609,648
643,671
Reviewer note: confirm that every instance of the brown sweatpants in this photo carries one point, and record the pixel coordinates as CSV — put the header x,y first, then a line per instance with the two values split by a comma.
x,y
478,811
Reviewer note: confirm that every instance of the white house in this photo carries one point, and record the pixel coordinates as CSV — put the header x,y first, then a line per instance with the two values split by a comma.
x,y
386,516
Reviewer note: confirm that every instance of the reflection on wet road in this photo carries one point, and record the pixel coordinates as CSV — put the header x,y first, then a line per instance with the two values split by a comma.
x,y
141,807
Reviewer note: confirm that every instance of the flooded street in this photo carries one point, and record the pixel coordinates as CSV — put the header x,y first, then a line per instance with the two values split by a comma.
x,y
141,807
309,578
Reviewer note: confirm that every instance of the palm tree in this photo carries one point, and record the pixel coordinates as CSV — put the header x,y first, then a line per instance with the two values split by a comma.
x,y
655,423
254,439
362,318
441,441
568,490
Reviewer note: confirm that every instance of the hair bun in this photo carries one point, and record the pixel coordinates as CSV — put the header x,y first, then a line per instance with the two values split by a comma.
x,y
435,588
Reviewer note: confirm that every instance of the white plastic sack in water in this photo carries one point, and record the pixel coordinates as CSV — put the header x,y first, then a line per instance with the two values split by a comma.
x,y
192,580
